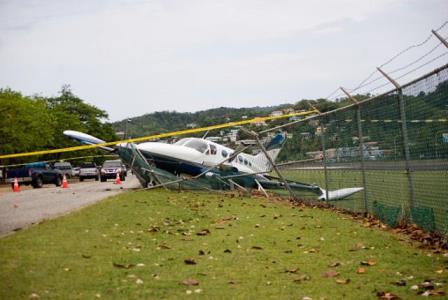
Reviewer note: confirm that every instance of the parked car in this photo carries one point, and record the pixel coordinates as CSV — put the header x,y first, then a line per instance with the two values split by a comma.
x,y
111,168
88,170
37,174
66,168
76,171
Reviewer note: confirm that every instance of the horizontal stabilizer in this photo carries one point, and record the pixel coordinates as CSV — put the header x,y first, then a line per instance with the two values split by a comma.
x,y
339,194
86,139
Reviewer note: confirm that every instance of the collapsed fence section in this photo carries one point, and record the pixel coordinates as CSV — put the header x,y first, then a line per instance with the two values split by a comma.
x,y
394,146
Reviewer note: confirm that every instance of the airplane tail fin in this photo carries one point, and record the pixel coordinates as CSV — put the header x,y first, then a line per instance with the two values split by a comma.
x,y
273,148
86,139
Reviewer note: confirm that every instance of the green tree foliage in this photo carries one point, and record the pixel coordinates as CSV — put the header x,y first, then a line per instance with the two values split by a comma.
x,y
37,123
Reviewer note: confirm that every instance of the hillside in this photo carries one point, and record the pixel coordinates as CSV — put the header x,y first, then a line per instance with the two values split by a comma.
x,y
166,121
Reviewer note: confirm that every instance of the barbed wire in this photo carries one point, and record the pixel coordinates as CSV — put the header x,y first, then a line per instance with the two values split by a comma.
x,y
415,61
422,65
366,81
332,93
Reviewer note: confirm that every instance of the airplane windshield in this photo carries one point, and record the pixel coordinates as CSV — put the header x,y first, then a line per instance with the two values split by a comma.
x,y
182,141
198,145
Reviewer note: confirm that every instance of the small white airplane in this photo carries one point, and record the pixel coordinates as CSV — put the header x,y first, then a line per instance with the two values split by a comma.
x,y
197,156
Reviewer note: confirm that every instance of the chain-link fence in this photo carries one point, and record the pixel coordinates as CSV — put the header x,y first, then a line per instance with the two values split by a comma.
x,y
394,146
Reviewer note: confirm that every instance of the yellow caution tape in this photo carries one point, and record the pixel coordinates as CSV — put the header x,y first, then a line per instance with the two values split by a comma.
x,y
158,136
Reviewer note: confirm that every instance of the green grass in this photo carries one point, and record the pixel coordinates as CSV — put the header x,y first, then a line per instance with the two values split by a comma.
x,y
386,187
72,257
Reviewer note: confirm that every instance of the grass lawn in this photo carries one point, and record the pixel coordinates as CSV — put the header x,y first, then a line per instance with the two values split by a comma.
x,y
385,186
144,244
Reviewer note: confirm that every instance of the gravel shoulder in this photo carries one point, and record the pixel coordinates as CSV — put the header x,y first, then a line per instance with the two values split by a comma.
x,y
30,206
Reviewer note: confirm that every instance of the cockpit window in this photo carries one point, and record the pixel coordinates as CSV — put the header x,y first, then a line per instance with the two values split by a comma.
x,y
182,141
240,159
213,149
198,145
224,153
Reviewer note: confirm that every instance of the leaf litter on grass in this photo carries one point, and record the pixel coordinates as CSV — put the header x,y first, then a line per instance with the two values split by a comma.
x,y
241,268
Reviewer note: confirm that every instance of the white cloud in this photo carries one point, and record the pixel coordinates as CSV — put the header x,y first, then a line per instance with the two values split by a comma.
x,y
164,54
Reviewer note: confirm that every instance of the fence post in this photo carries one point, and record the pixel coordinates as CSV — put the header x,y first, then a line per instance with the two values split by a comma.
x,y
404,132
274,166
324,157
361,149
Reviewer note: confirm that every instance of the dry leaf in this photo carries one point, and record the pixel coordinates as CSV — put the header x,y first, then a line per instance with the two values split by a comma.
x,y
292,270
369,262
123,266
190,281
302,277
360,270
387,296
400,282
203,232
330,273
342,281
335,264
190,261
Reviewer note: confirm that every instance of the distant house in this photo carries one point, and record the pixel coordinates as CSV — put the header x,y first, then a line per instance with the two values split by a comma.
x,y
289,110
192,125
305,135
215,139
276,113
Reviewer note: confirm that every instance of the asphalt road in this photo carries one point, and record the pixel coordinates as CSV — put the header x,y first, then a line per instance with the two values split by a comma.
x,y
30,206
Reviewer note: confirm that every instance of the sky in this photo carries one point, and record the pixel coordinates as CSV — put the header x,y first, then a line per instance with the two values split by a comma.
x,y
135,57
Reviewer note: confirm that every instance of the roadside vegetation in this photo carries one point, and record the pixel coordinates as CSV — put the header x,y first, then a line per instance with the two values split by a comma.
x,y
161,244
37,123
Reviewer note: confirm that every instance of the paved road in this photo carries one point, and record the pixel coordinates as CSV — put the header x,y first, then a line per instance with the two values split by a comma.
x,y
30,206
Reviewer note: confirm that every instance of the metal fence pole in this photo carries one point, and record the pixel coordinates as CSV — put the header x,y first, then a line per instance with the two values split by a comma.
x,y
404,133
263,149
361,149
324,157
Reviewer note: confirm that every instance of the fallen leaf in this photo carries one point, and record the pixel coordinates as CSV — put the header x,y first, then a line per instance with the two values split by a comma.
x,y
139,281
190,261
330,273
432,293
301,278
292,270
123,266
203,232
335,264
360,270
164,246
86,256
357,247
233,282
190,281
369,263
342,281
387,296
400,282
34,296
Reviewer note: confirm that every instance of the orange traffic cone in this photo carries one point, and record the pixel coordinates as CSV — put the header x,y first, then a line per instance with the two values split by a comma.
x,y
64,182
117,179
15,187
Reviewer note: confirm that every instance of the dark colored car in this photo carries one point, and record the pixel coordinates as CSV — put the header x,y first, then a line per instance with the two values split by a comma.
x,y
111,168
37,174
88,170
